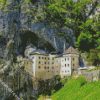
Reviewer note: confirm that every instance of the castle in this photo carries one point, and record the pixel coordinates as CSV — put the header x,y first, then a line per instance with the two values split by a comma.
x,y
42,65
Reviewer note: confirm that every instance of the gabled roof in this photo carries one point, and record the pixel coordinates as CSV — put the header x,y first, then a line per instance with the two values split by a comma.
x,y
71,50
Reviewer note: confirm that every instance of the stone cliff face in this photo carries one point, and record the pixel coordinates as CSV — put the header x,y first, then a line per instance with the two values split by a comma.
x,y
10,27
20,26
20,16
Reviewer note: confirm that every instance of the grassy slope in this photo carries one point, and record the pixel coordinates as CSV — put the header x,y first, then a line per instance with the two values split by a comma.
x,y
75,90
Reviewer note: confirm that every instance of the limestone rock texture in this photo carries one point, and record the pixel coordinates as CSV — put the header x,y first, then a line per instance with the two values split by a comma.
x,y
19,17
19,27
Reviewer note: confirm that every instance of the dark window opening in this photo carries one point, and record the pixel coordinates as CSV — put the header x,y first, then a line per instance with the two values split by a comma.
x,y
39,67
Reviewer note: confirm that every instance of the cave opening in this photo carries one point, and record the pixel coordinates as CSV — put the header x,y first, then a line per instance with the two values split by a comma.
x,y
28,37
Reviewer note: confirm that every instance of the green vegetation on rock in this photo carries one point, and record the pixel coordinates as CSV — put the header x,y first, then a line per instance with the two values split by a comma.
x,y
78,89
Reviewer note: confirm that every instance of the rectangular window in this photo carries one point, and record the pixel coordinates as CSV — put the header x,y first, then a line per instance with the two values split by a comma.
x,y
39,67
39,62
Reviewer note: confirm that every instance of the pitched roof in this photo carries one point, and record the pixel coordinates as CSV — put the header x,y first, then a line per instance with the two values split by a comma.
x,y
71,50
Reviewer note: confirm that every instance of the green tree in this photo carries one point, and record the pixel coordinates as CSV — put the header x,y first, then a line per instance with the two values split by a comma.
x,y
86,42
61,13
75,16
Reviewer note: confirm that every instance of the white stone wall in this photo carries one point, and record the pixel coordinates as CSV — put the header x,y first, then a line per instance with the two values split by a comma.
x,y
69,64
65,66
